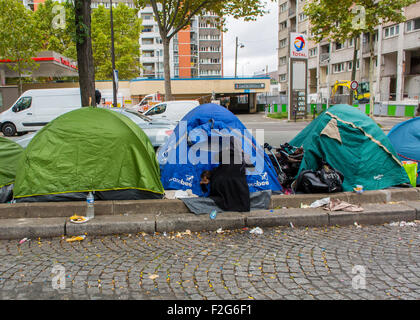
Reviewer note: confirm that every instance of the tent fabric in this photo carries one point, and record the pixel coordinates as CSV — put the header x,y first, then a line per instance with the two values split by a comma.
x,y
88,149
365,155
10,154
194,147
405,138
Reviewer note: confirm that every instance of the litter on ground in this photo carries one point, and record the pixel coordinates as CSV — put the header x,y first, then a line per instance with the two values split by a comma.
x,y
24,240
403,224
78,219
256,230
76,238
320,203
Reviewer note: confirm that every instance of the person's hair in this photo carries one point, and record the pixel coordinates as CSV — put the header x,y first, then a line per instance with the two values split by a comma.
x,y
206,173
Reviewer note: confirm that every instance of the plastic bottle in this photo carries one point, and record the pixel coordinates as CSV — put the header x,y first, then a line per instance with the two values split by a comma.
x,y
90,209
213,214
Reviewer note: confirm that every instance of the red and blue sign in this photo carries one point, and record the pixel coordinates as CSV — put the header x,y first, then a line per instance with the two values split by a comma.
x,y
299,43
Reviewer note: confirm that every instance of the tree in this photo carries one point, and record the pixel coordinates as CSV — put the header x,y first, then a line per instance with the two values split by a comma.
x,y
352,18
127,29
83,39
52,20
174,15
19,38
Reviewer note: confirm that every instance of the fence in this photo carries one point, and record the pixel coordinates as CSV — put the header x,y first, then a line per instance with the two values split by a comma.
x,y
379,109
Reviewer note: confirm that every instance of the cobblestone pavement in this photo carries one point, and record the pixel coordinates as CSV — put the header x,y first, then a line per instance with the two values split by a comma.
x,y
282,263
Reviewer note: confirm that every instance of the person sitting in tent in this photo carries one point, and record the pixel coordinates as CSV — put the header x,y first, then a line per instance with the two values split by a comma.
x,y
226,184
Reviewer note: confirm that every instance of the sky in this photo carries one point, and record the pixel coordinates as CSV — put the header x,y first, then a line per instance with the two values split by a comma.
x,y
260,40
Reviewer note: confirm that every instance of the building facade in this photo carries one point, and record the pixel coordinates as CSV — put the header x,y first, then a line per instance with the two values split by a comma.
x,y
397,56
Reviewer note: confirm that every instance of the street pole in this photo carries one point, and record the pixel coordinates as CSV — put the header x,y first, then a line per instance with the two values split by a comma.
x,y
266,74
114,87
236,55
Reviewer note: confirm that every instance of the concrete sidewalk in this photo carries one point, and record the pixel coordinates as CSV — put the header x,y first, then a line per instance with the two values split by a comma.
x,y
33,220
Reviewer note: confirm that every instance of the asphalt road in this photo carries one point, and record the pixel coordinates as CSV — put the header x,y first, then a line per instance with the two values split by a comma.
x,y
278,131
371,262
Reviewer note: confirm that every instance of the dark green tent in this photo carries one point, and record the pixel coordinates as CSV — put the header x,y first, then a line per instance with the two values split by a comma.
x,y
352,143
88,149
10,153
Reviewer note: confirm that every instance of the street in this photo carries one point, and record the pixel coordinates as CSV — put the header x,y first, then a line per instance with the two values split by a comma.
x,y
371,262
278,131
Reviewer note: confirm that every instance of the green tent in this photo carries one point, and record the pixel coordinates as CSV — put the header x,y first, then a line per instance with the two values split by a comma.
x,y
352,143
88,149
10,153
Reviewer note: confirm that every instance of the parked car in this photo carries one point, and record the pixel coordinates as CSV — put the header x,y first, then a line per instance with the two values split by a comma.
x,y
35,108
157,131
171,110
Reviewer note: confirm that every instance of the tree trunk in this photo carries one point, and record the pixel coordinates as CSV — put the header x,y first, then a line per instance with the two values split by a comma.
x,y
167,69
353,71
371,67
84,52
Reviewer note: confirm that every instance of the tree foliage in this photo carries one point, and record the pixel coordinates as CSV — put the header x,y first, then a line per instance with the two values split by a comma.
x,y
53,21
19,37
351,17
127,29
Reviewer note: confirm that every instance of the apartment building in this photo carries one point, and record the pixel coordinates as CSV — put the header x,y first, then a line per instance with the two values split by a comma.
x,y
396,69
196,51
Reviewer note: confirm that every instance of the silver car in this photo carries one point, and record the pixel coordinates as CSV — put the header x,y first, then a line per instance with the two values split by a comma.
x,y
158,131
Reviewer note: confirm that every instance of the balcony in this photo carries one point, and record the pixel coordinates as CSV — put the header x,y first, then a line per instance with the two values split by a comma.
x,y
323,58
292,12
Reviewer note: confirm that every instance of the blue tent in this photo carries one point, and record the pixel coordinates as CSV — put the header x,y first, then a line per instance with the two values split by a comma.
x,y
195,144
405,137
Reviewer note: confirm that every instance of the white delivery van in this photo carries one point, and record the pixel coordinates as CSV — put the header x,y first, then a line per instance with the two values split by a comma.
x,y
35,108
171,110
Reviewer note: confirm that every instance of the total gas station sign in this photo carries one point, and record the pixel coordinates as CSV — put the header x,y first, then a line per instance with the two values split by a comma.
x,y
298,46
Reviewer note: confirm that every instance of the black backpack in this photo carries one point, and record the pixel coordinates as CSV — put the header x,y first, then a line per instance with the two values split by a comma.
x,y
325,180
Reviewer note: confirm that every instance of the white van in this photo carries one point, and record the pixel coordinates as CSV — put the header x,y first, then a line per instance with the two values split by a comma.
x,y
35,108
171,110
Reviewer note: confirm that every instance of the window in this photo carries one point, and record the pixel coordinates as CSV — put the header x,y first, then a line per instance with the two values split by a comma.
x,y
413,25
283,25
282,77
161,108
351,43
148,29
338,46
283,43
22,104
391,31
283,60
148,53
146,16
338,67
313,52
302,17
283,7
147,41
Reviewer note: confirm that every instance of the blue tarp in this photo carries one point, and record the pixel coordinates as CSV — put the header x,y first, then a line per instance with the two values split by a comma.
x,y
192,148
405,137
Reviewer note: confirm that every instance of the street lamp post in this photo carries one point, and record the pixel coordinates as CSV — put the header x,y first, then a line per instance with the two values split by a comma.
x,y
114,85
236,54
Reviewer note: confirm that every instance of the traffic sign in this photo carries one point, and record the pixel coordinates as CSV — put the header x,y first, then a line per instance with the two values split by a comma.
x,y
354,85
